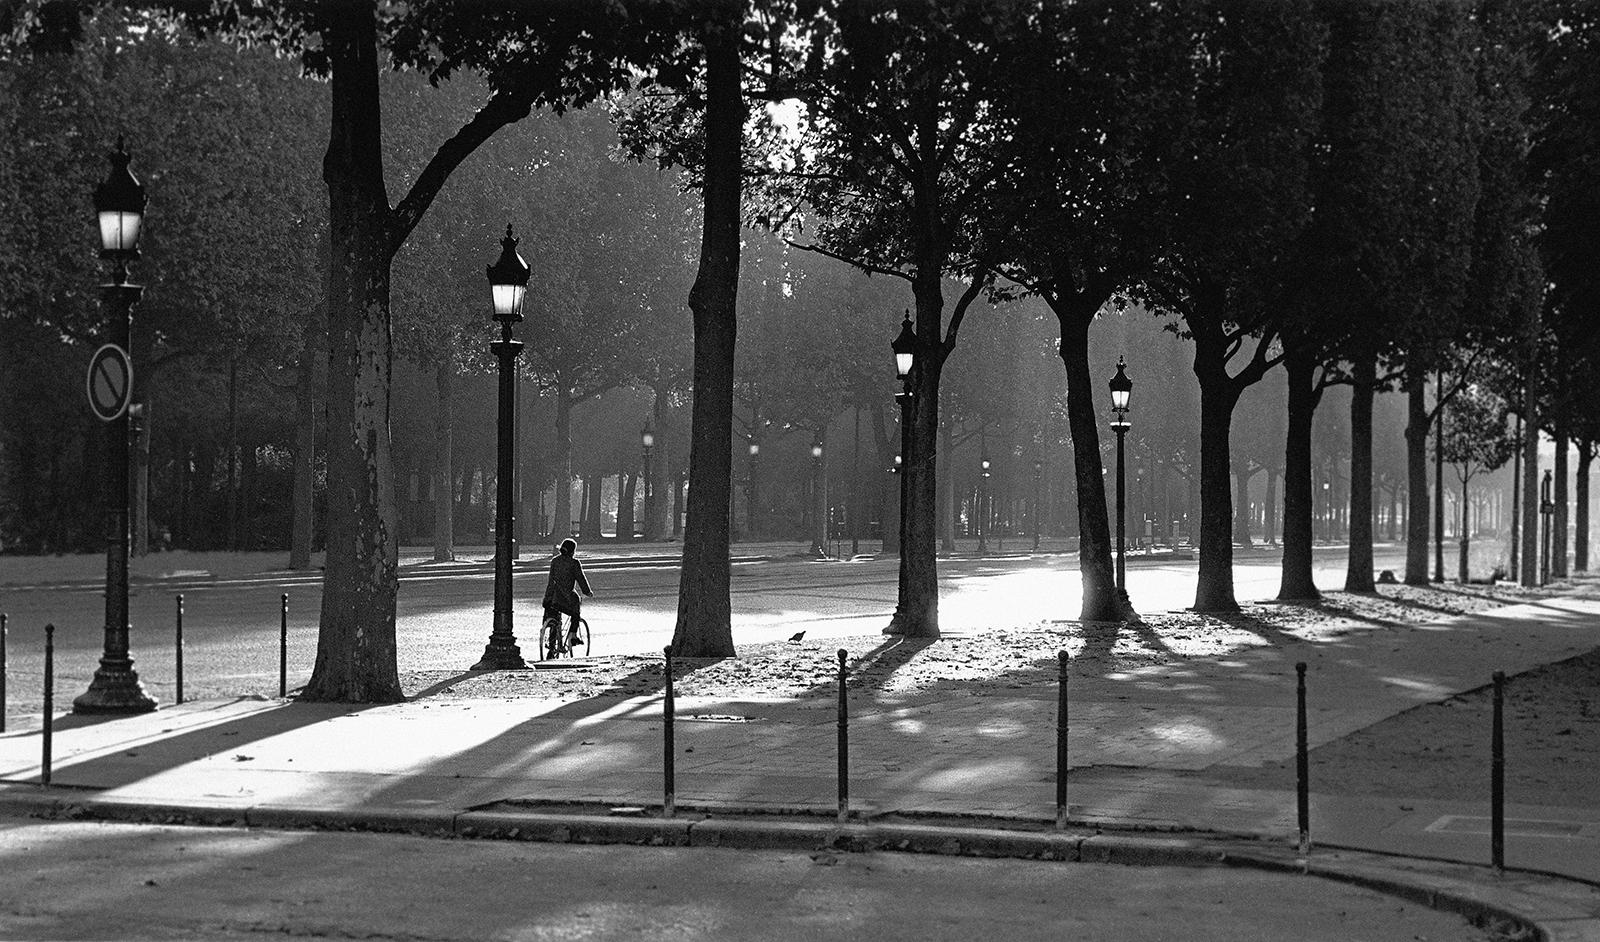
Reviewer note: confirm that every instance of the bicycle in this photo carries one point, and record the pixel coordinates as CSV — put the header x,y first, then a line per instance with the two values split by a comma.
x,y
558,644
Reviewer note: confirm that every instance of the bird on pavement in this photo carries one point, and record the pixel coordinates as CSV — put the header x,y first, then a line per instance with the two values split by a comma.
x,y
797,636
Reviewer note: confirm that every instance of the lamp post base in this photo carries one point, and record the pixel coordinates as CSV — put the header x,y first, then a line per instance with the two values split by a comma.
x,y
115,689
501,658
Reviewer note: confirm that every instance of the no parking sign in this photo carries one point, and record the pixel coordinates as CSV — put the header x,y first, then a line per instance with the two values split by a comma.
x,y
110,382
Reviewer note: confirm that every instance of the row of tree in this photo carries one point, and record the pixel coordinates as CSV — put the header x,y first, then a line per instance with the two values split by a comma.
x,y
1369,194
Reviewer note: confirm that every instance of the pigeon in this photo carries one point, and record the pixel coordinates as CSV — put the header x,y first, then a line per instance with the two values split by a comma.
x,y
797,636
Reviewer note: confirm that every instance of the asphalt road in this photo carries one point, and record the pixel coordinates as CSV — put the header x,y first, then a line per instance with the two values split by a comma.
x,y
231,625
81,880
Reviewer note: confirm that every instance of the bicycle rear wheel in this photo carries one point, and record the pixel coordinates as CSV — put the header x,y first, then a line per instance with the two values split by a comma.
x,y
551,642
580,631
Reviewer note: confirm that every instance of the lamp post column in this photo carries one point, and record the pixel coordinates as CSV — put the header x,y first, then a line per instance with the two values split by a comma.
x,y
502,652
115,687
1121,428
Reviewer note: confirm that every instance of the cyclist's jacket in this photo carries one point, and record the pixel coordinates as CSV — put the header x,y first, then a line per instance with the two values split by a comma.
x,y
565,572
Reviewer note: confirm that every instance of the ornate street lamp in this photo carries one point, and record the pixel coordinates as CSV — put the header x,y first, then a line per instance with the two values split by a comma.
x,y
647,440
1121,391
119,204
508,285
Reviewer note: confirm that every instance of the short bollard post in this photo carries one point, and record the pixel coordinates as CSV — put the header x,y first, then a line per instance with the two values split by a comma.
x,y
1497,777
283,647
177,658
2,672
1061,743
844,745
49,700
669,788
1302,760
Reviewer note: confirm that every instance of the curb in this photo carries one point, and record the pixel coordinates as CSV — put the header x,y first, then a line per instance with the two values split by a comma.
x,y
1508,908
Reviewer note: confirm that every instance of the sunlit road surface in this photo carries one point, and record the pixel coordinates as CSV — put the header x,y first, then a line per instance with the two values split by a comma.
x,y
231,625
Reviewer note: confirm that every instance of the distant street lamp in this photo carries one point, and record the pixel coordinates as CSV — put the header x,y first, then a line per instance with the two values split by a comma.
x,y
1121,390
647,439
752,510
1547,509
1327,511
119,204
508,285
1038,472
819,501
982,513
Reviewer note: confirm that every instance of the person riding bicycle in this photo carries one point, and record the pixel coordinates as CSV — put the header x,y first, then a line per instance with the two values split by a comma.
x,y
560,592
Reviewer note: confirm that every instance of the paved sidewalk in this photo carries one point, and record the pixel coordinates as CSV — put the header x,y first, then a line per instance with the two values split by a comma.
x,y
1140,743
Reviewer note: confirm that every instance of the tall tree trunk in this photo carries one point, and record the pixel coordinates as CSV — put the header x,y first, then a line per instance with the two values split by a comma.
x,y
139,526
705,611
819,498
657,509
1465,537
444,507
1296,582
1581,537
233,454
1438,478
1516,500
561,523
947,496
594,489
1241,502
313,347
1358,575
625,494
1530,483
356,653
888,483
141,424
1218,395
1100,599
1558,519
1270,518
917,612
1417,426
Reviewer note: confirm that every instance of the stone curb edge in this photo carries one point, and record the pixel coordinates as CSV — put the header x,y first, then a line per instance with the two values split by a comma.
x,y
1507,908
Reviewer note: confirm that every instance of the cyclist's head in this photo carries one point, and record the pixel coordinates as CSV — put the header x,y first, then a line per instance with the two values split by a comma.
x,y
569,546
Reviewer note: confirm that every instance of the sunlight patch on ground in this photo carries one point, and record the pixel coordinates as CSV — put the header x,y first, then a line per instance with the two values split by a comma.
x,y
1422,688
1187,732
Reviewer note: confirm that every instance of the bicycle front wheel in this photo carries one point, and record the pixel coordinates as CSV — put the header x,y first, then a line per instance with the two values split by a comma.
x,y
580,633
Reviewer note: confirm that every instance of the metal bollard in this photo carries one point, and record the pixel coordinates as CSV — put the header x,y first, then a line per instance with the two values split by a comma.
x,y
3,667
49,700
178,652
844,745
1497,777
1061,743
283,647
1302,760
669,797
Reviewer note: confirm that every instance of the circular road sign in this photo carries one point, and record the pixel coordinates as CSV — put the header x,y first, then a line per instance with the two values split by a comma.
x,y
110,382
